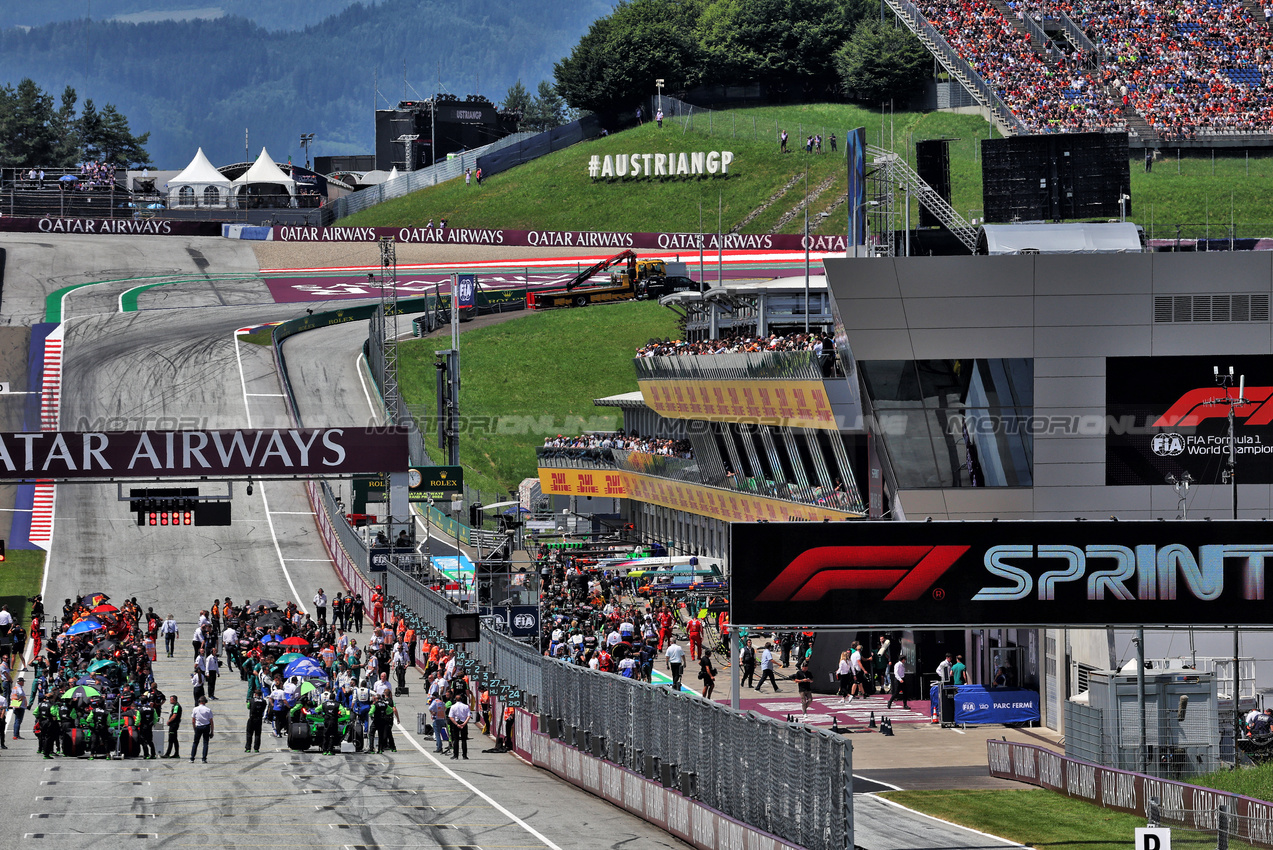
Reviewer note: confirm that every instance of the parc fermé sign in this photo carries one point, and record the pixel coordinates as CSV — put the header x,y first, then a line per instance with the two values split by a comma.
x,y
1129,792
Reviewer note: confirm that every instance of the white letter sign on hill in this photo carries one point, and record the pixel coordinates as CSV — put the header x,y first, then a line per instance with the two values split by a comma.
x,y
696,163
1153,838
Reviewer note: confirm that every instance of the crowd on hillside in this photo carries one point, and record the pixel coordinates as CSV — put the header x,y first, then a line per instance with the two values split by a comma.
x,y
1185,66
626,442
735,345
1046,97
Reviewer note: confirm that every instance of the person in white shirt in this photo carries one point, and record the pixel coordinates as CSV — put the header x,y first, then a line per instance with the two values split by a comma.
x,y
944,670
675,662
382,685
170,631
201,719
459,717
613,639
899,684
844,673
211,669
320,607
767,668
230,640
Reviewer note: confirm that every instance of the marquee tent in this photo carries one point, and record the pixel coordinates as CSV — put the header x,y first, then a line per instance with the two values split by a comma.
x,y
199,185
264,184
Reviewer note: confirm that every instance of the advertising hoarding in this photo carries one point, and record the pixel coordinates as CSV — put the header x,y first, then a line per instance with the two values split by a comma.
x,y
1026,574
1162,418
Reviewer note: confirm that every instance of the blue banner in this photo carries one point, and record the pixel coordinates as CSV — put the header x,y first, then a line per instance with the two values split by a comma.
x,y
855,149
975,704
466,290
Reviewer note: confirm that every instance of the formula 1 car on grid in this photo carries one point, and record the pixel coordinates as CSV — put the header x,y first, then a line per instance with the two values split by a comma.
x,y
306,725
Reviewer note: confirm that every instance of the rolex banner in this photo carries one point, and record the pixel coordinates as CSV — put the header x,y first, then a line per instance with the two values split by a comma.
x,y
1167,416
270,452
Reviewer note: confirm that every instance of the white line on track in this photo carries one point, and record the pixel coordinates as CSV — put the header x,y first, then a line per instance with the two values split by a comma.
x,y
292,513
266,395
469,785
17,510
359,362
265,502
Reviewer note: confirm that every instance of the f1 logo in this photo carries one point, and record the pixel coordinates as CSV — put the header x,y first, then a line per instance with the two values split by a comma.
x,y
906,572
466,290
1153,838
1206,403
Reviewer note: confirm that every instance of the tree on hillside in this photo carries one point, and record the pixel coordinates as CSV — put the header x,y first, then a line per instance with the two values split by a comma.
x,y
783,43
882,62
115,142
548,110
614,66
518,100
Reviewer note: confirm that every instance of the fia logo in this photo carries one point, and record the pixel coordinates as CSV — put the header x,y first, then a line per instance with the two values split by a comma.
x,y
524,621
1168,445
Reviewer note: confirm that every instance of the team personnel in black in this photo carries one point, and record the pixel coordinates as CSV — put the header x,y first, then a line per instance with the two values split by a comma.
x,y
144,723
173,748
256,721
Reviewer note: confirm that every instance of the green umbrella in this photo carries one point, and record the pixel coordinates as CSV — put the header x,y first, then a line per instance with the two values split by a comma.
x,y
102,664
287,658
81,693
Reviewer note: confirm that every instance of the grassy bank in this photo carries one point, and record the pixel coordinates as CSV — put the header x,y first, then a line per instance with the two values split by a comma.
x,y
1201,194
1035,818
533,377
20,577
555,192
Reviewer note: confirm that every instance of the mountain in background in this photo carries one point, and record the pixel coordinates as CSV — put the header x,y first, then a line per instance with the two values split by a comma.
x,y
203,82
273,14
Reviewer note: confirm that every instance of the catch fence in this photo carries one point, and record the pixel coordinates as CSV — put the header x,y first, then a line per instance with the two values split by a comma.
x,y
411,181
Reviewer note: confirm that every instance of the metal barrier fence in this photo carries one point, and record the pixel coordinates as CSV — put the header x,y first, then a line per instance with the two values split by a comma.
x,y
788,779
751,365
785,778
405,184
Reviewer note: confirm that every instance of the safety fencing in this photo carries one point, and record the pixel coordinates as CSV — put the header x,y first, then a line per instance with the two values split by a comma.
x,y
412,181
1164,801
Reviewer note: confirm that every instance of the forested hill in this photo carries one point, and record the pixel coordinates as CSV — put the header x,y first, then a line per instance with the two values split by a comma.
x,y
271,14
202,82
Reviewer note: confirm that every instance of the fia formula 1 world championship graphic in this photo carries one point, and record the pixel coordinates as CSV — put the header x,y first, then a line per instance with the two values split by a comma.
x,y
1166,416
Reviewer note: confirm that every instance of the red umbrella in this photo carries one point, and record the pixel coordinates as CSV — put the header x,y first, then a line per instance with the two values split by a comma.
x,y
295,641
105,608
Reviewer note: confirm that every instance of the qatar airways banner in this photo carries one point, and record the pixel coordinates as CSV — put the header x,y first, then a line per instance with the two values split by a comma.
x,y
562,238
110,226
1028,574
270,452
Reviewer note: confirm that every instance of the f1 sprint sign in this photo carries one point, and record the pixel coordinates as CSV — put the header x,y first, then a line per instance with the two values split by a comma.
x,y
955,574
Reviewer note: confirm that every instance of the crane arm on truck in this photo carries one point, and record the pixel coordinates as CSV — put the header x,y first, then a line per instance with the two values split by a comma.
x,y
629,256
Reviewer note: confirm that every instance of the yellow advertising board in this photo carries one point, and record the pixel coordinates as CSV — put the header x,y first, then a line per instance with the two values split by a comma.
x,y
793,404
582,482
715,502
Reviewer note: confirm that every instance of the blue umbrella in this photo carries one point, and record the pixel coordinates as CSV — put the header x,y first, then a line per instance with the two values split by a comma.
x,y
155,207
68,177
306,668
85,626
270,639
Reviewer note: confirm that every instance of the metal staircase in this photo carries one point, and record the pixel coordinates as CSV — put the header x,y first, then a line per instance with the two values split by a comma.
x,y
1000,115
893,171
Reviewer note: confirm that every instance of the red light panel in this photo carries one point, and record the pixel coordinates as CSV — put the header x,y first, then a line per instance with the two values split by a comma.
x,y
154,518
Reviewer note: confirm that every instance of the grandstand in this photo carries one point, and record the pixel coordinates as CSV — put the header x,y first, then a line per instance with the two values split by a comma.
x,y
1192,72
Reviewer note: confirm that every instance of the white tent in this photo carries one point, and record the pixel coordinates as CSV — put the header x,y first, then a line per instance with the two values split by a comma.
x,y
199,185
263,174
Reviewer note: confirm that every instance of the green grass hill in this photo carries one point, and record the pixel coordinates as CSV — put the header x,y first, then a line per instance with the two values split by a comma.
x,y
534,377
765,191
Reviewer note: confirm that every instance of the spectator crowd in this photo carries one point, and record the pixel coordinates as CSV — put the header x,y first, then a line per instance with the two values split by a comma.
x,y
625,442
1187,67
736,345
